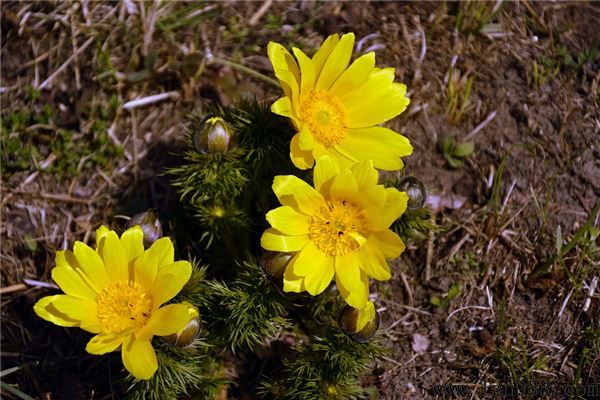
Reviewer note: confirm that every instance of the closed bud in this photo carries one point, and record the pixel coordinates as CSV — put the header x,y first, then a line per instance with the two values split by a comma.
x,y
360,324
213,136
274,263
189,333
415,190
150,224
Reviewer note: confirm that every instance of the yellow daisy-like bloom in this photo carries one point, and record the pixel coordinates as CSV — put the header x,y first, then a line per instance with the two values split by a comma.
x,y
338,228
336,108
116,292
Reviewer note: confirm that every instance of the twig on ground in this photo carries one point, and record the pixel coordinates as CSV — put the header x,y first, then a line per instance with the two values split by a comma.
x,y
35,283
458,245
56,196
564,304
507,197
242,68
260,12
60,69
155,98
12,288
466,308
411,300
591,291
482,125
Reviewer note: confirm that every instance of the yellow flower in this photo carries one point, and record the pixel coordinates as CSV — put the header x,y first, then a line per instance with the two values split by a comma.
x,y
365,315
116,292
336,108
339,227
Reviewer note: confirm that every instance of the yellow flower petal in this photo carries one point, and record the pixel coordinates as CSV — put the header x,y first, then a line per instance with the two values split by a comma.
x,y
372,197
344,186
373,87
45,309
344,161
104,343
302,159
355,76
115,258
324,51
307,73
373,263
145,268
288,221
379,218
147,265
274,240
294,192
82,310
318,281
365,315
389,146
316,267
70,281
352,283
306,142
282,107
164,252
139,358
324,172
389,243
132,240
308,259
373,111
100,234
286,70
92,266
165,321
365,174
291,281
396,200
336,63
170,280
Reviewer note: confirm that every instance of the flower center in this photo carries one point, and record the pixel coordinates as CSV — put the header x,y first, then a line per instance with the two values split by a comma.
x,y
335,229
325,116
123,305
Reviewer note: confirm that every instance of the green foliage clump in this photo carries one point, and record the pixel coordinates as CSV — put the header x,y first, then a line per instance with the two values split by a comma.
x,y
327,364
193,370
243,312
472,16
455,152
31,135
415,224
214,186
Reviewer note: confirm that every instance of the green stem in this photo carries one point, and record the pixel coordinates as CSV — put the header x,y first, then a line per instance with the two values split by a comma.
x,y
245,69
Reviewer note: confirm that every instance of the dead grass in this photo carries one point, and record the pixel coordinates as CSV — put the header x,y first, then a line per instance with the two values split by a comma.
x,y
124,74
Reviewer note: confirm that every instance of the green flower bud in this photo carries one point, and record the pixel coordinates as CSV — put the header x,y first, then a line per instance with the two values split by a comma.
x,y
189,333
416,191
150,224
213,136
360,325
